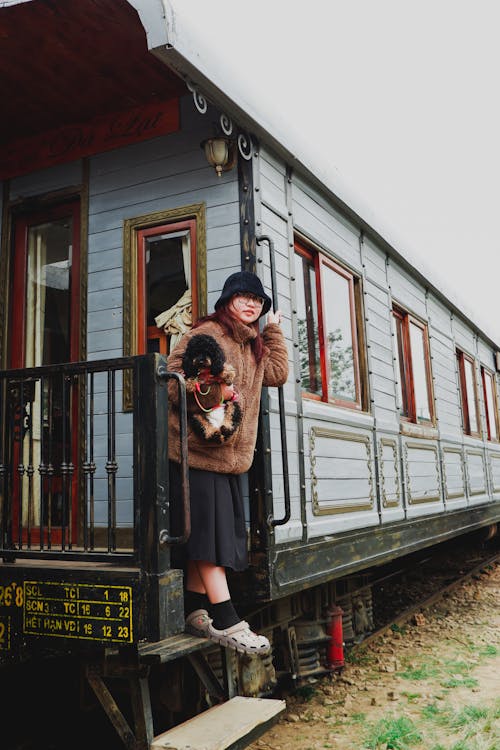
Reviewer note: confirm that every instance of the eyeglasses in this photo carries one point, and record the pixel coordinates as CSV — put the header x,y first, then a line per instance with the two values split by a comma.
x,y
241,299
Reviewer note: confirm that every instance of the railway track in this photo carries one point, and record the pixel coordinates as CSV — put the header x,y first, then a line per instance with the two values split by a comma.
x,y
404,616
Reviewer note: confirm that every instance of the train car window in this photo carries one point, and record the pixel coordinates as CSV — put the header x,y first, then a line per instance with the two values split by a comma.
x,y
414,370
308,327
164,281
468,394
491,403
327,330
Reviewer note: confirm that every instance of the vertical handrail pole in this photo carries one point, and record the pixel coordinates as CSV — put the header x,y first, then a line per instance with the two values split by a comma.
x,y
151,485
20,465
29,468
42,467
4,519
64,462
111,463
272,522
165,536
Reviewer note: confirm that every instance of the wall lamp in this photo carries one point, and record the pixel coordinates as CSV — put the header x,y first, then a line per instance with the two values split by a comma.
x,y
220,153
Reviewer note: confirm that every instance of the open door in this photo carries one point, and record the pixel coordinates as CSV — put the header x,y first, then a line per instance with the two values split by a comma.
x,y
44,329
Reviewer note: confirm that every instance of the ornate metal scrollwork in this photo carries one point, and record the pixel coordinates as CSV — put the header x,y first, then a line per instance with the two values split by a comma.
x,y
245,146
226,124
396,500
200,102
348,506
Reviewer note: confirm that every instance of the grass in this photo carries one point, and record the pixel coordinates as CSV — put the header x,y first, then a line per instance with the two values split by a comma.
x,y
478,726
358,718
484,652
411,697
394,734
358,656
425,672
436,714
467,715
398,629
453,682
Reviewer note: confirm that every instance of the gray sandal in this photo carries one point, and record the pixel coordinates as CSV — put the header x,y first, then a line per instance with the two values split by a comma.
x,y
197,623
240,638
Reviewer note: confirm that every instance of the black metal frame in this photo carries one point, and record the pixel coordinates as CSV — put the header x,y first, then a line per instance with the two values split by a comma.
x,y
33,550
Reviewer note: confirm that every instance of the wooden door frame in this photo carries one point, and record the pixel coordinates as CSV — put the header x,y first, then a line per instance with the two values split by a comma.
x,y
21,223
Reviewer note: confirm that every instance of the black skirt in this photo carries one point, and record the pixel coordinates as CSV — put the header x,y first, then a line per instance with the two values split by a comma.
x,y
218,531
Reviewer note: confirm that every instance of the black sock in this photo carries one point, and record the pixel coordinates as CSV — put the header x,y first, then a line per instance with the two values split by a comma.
x,y
224,615
194,600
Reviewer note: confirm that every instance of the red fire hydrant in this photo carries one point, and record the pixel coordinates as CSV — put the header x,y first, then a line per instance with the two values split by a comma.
x,y
335,649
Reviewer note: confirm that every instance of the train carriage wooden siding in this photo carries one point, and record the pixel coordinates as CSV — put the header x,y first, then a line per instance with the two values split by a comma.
x,y
390,411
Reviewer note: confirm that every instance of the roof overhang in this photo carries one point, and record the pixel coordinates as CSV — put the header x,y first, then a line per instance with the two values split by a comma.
x,y
66,62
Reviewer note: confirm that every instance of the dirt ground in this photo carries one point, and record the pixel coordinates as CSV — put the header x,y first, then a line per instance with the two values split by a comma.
x,y
433,684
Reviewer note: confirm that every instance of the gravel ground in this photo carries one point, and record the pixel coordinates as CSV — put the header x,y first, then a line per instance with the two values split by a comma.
x,y
433,683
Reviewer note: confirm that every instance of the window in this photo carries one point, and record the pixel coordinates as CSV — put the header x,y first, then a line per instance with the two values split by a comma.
x,y
164,274
166,268
490,403
164,271
468,393
414,371
328,337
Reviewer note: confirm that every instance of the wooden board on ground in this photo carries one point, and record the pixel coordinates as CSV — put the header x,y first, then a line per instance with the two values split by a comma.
x,y
229,726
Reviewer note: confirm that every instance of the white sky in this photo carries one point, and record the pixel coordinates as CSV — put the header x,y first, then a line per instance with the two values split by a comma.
x,y
402,98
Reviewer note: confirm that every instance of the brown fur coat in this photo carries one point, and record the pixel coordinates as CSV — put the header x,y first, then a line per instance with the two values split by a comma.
x,y
235,455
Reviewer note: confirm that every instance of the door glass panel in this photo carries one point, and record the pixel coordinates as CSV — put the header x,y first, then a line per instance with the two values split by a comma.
x,y
418,358
47,341
337,306
48,293
168,285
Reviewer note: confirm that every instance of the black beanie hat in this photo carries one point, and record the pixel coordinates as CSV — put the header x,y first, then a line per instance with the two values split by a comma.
x,y
243,281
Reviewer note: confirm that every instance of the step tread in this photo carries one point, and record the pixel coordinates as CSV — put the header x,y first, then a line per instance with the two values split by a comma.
x,y
223,726
171,648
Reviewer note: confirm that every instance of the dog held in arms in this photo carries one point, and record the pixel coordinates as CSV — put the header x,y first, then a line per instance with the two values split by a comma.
x,y
204,355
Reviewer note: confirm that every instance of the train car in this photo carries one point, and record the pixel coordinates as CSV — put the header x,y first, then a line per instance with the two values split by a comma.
x,y
135,180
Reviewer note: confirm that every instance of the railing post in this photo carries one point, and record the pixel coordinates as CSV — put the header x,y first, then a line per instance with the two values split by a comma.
x,y
163,586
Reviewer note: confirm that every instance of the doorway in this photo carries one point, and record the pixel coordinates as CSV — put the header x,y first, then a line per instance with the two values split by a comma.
x,y
44,331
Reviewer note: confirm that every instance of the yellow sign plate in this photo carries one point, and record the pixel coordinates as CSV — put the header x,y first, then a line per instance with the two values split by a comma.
x,y
78,610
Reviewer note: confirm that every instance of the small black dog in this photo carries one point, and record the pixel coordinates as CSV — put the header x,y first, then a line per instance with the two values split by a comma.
x,y
219,423
204,353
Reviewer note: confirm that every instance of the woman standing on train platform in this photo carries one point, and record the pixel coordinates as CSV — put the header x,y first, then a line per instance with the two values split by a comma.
x,y
218,531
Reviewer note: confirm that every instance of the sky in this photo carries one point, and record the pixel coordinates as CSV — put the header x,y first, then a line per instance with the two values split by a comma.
x,y
402,99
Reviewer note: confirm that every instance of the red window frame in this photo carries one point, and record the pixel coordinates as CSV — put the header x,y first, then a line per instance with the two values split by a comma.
x,y
491,419
403,320
462,357
145,333
319,261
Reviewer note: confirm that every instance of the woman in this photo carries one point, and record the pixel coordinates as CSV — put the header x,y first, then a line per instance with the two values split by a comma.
x,y
218,532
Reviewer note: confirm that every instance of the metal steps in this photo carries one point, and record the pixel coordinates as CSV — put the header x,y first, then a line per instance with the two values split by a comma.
x,y
229,726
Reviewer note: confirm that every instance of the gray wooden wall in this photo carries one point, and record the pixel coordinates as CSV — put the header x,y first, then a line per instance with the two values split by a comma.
x,y
340,487
156,175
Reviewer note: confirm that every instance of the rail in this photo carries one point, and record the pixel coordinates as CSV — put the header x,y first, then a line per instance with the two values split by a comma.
x,y
272,522
84,476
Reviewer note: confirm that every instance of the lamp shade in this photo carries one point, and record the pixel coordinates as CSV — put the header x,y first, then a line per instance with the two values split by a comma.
x,y
219,153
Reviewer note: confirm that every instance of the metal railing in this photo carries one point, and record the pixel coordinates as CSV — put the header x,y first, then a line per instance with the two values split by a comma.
x,y
83,476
